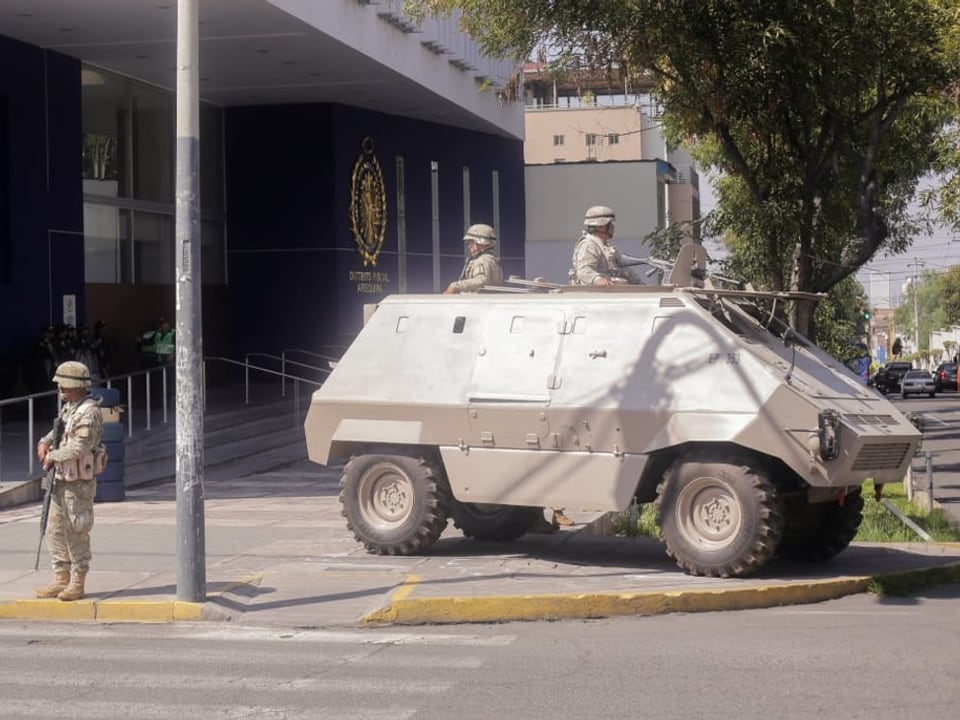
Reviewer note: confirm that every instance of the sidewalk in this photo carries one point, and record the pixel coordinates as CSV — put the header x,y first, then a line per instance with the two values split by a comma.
x,y
278,554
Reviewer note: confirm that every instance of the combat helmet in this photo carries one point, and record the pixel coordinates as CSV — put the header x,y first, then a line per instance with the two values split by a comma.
x,y
482,235
598,216
72,374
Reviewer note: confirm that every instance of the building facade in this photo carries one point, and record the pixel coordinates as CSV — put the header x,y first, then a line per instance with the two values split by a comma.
x,y
600,146
344,150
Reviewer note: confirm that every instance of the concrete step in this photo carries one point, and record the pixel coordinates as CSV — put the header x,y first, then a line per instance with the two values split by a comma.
x,y
237,441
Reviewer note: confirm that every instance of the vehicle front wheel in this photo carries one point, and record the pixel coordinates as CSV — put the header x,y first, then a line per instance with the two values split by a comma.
x,y
719,516
394,504
815,532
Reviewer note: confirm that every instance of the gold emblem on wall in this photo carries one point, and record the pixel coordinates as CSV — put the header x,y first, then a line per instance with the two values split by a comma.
x,y
368,204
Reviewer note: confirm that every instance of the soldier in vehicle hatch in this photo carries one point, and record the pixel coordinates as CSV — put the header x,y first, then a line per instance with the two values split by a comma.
x,y
595,260
482,267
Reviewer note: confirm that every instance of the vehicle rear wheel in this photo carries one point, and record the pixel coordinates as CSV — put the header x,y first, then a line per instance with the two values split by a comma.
x,y
815,532
718,517
394,504
489,522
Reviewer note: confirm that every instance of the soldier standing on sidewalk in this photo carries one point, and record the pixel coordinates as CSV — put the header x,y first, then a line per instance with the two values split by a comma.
x,y
79,458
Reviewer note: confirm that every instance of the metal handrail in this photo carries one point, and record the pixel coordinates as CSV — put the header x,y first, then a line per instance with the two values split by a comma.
x,y
107,382
248,367
283,368
130,402
283,362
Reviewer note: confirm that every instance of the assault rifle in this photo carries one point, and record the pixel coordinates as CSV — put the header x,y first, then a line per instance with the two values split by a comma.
x,y
49,483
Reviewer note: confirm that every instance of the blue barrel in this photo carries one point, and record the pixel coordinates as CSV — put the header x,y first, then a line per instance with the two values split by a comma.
x,y
113,432
110,483
109,491
116,451
109,397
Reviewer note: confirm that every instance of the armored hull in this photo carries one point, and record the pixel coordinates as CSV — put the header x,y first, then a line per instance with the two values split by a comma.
x,y
588,399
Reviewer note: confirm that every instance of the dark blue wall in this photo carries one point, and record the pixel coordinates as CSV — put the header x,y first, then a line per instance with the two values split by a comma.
x,y
291,251
41,189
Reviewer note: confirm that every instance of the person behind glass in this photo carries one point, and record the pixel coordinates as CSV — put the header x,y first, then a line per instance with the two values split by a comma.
x,y
165,343
482,267
595,259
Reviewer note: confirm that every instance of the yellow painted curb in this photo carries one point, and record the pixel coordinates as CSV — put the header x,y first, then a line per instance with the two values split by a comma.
x,y
104,610
148,610
47,610
505,608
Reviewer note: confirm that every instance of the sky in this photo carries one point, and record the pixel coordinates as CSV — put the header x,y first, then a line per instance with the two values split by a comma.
x,y
883,277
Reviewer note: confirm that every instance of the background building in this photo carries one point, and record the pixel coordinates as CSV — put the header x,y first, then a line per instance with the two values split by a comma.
x,y
593,140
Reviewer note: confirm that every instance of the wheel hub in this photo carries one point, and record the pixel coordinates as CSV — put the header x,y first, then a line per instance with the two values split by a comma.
x,y
386,496
709,513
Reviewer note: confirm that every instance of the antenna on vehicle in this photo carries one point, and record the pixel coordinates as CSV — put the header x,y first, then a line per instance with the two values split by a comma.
x,y
790,340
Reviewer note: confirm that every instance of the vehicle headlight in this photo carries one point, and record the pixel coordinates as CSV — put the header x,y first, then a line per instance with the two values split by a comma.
x,y
828,430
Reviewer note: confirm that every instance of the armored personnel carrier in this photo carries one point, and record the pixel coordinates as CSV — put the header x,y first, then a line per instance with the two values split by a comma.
x,y
486,408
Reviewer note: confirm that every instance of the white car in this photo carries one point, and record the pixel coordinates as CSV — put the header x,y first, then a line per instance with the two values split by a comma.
x,y
918,382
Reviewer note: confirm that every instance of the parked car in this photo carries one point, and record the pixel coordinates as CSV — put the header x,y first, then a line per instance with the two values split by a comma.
x,y
945,376
918,382
887,379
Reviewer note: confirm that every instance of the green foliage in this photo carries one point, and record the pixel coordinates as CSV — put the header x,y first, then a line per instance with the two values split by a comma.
x,y
642,522
880,525
820,116
841,322
937,296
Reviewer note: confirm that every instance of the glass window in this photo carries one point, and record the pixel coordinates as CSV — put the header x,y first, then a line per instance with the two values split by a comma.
x,y
153,132
212,260
153,248
591,139
106,235
129,155
106,113
558,139
211,158
613,139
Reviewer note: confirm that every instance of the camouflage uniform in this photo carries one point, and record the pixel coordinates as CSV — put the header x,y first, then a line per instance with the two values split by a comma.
x,y
78,459
593,258
480,271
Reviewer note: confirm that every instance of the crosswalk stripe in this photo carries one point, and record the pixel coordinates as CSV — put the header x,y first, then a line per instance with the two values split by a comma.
x,y
105,710
185,683
246,633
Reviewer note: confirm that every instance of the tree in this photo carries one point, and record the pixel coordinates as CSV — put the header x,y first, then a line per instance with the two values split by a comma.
x,y
841,322
821,116
929,293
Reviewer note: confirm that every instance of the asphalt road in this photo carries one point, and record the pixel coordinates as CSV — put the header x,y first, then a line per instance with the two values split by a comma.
x,y
942,440
858,657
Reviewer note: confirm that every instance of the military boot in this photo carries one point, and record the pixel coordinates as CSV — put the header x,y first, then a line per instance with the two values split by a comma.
x,y
74,591
61,579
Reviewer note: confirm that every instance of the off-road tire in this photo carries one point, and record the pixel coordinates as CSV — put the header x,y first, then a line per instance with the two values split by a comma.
x,y
494,523
719,516
394,504
816,532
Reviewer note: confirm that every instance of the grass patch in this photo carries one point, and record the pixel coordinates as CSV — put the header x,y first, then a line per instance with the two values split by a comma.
x,y
880,525
913,581
639,521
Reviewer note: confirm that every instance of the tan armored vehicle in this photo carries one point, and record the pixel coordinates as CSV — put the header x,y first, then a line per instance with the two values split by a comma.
x,y
487,408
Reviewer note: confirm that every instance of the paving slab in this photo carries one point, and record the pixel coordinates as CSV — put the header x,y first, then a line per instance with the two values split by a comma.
x,y
278,553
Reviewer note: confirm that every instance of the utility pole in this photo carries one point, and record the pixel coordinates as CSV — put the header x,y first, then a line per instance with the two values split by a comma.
x,y
916,264
191,553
